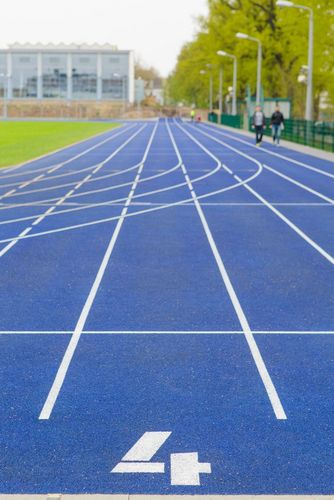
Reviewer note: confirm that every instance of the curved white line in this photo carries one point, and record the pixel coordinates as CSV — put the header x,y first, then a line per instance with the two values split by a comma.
x,y
45,179
147,193
285,219
102,177
165,189
287,158
133,214
228,146
117,201
114,135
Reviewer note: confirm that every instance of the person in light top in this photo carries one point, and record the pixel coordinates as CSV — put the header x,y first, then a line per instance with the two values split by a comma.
x,y
258,124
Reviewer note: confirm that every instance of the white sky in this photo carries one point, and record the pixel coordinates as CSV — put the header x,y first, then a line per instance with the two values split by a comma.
x,y
155,29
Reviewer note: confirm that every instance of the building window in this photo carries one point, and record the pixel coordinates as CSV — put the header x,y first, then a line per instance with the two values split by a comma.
x,y
84,76
115,77
24,75
3,74
54,76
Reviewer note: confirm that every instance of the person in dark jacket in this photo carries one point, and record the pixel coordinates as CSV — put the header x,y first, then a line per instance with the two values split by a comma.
x,y
259,124
277,125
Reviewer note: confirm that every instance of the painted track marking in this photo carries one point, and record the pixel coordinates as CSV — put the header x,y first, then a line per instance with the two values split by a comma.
x,y
66,361
272,153
279,214
68,195
257,357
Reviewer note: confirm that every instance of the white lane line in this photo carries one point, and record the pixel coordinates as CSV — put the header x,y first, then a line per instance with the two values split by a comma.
x,y
287,221
300,184
78,186
257,357
72,158
59,202
272,153
51,153
66,361
228,146
45,178
37,221
64,198
185,205
136,213
52,169
96,169
10,245
8,194
167,332
25,184
100,165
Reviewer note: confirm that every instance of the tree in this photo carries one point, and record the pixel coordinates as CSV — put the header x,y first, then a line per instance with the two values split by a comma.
x,y
284,34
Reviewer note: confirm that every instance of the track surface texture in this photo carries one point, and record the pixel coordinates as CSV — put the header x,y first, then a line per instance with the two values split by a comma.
x,y
167,317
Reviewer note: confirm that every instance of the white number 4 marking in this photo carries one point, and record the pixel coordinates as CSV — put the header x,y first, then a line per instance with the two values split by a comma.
x,y
185,467
141,453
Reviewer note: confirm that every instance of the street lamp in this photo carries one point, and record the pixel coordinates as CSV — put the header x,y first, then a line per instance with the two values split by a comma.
x,y
209,66
204,72
243,36
309,96
221,86
235,72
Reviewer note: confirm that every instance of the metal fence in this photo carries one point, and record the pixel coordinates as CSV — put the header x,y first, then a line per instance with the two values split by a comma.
x,y
315,134
213,117
235,121
309,133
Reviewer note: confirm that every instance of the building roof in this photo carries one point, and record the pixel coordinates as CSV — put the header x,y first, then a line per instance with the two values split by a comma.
x,y
63,47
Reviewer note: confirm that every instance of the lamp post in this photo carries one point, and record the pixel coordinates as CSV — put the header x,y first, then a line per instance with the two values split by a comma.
x,y
221,84
209,66
204,72
309,95
235,73
243,36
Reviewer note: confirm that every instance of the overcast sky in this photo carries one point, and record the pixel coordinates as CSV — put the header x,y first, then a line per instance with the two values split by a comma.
x,y
155,29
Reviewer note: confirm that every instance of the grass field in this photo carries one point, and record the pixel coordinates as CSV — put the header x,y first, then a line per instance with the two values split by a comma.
x,y
22,141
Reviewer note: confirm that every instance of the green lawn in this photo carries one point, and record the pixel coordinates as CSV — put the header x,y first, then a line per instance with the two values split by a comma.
x,y
23,140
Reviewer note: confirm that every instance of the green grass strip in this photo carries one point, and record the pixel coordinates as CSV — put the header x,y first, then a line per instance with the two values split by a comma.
x,y
21,141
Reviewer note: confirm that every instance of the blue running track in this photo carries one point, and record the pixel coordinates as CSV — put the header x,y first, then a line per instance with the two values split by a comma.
x,y
167,316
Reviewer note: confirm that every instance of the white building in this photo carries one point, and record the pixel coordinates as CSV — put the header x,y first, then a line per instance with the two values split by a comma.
x,y
67,71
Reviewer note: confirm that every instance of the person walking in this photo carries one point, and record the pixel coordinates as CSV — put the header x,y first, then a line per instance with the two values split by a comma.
x,y
259,124
277,125
192,115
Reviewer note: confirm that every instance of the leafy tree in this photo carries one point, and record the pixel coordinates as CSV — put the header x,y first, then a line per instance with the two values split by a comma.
x,y
284,34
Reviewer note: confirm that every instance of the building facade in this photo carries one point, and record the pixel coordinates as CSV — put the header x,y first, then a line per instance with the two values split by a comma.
x,y
69,72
